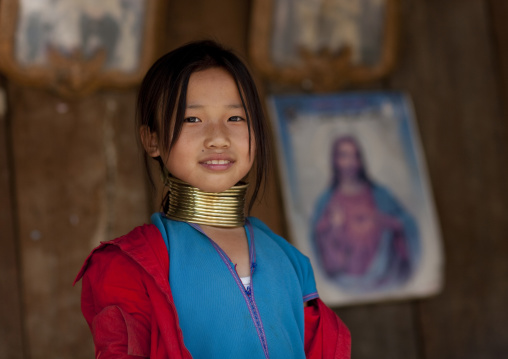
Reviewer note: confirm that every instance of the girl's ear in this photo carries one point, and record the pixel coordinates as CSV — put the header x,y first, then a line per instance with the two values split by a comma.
x,y
150,141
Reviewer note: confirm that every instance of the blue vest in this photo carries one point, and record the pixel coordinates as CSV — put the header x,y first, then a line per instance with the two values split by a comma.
x,y
218,316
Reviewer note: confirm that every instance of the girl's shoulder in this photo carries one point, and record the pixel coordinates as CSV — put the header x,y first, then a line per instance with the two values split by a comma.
x,y
131,250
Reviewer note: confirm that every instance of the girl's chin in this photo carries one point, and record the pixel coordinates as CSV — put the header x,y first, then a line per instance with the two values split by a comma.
x,y
211,187
213,184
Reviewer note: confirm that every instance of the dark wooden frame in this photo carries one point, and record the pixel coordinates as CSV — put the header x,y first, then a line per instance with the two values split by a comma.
x,y
319,72
74,76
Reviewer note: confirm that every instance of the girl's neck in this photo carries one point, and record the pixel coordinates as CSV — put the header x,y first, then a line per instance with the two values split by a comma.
x,y
189,204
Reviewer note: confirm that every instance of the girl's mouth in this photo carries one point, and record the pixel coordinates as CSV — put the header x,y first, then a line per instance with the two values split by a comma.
x,y
217,162
217,165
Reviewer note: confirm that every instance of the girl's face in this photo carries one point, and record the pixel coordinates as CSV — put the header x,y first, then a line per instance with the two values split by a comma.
x,y
212,151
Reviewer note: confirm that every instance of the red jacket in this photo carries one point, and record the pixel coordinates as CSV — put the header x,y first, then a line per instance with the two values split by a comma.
x,y
127,303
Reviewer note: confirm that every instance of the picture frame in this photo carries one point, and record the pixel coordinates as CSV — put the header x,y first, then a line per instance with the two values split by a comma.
x,y
325,45
357,195
75,48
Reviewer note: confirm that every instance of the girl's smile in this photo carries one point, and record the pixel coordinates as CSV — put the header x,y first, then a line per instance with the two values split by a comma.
x,y
212,152
217,164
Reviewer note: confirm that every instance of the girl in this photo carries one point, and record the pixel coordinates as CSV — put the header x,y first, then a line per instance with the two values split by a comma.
x,y
202,280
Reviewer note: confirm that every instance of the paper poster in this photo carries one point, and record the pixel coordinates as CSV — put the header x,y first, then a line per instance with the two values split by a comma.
x,y
357,195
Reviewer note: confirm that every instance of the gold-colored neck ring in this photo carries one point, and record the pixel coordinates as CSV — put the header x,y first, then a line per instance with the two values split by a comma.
x,y
189,204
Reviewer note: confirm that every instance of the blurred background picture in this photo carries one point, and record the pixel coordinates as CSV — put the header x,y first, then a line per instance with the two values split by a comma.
x,y
358,198
352,26
87,28
75,47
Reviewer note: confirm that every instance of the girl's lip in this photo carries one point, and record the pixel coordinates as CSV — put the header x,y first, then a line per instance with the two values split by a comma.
x,y
217,158
217,162
217,165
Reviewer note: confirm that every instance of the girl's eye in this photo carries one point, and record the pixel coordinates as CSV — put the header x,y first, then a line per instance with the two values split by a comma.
x,y
192,120
236,119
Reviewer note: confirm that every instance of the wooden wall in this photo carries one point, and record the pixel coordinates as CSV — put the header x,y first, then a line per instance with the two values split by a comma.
x,y
71,176
451,65
11,324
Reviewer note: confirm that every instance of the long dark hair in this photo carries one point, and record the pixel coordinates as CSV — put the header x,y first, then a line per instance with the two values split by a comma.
x,y
362,172
164,90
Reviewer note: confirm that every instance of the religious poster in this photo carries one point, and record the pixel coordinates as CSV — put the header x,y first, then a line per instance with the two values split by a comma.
x,y
333,25
323,45
357,195
89,27
75,47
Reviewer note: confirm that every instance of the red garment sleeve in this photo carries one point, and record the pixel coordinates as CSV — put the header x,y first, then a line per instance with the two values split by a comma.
x,y
116,306
326,336
117,334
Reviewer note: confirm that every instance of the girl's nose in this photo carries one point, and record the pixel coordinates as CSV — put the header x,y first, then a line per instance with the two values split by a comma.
x,y
217,136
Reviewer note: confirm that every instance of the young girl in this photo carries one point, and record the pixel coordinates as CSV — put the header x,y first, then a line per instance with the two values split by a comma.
x,y
202,280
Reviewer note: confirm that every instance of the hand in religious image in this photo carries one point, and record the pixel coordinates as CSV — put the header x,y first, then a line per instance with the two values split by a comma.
x,y
364,238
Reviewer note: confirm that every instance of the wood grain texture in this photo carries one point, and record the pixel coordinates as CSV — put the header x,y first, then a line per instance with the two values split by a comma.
x,y
498,11
386,330
78,181
225,21
448,68
11,326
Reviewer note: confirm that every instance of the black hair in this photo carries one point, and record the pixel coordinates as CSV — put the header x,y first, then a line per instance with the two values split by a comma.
x,y
163,94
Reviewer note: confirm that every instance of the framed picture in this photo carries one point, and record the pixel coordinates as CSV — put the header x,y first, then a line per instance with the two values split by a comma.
x,y
357,195
76,47
323,45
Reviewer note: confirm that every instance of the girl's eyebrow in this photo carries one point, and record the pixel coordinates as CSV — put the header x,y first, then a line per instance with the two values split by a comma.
x,y
197,106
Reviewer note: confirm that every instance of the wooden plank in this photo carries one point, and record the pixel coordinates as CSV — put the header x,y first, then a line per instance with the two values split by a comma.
x,y
225,21
498,10
11,332
447,67
385,330
78,181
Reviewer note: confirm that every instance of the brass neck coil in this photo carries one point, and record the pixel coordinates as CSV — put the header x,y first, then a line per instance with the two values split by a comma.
x,y
189,204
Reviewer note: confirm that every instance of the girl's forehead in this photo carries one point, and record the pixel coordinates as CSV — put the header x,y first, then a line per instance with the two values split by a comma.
x,y
213,86
210,74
